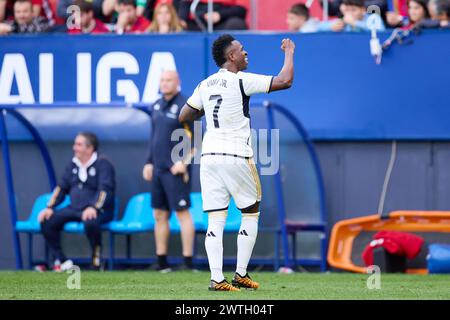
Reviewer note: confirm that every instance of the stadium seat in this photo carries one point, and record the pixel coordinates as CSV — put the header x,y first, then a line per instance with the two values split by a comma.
x,y
294,227
32,226
137,218
78,227
200,218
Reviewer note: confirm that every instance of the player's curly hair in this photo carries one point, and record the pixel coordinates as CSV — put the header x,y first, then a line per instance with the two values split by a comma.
x,y
219,47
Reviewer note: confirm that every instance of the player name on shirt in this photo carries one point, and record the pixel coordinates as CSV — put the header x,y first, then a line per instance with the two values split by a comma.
x,y
217,82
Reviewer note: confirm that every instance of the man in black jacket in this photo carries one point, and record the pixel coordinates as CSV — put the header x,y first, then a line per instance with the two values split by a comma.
x,y
89,181
170,177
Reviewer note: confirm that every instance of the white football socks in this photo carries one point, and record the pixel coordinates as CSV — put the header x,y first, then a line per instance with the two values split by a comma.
x,y
214,243
246,241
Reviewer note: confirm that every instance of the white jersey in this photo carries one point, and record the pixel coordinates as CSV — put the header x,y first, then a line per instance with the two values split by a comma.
x,y
225,98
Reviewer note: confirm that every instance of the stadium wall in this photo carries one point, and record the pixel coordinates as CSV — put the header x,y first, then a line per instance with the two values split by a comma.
x,y
338,93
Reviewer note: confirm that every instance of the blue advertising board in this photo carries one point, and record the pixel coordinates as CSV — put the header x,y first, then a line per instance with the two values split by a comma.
x,y
339,93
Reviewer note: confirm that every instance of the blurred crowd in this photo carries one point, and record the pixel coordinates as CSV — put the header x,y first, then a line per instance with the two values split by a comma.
x,y
356,15
116,16
172,16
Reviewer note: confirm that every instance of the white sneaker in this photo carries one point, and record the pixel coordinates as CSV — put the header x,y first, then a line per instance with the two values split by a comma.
x,y
165,270
285,270
66,265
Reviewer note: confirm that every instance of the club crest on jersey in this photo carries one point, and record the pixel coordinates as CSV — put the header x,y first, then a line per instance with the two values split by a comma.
x,y
74,171
174,108
156,107
92,172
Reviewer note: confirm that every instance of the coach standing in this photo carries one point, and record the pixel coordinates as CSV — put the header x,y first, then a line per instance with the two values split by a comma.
x,y
170,178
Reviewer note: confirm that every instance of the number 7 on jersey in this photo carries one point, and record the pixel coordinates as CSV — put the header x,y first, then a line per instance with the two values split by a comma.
x,y
216,108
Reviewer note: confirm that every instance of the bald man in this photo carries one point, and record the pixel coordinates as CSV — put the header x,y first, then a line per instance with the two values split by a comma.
x,y
169,177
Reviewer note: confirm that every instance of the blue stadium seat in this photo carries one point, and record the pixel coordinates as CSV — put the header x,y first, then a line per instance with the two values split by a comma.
x,y
32,226
200,218
137,218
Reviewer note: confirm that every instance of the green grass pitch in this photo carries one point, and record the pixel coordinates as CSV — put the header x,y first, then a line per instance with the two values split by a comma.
x,y
192,286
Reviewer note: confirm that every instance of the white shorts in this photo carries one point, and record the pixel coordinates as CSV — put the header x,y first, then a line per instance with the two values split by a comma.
x,y
223,176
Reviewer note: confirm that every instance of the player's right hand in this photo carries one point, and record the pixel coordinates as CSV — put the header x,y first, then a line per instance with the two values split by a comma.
x,y
45,215
147,172
287,45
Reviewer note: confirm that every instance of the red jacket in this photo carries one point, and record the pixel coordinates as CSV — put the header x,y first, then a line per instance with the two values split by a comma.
x,y
99,28
140,25
397,243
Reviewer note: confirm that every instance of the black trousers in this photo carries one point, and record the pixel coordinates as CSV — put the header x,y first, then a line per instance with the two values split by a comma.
x,y
52,227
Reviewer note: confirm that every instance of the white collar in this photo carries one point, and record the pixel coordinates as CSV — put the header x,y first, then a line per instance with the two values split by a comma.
x,y
88,164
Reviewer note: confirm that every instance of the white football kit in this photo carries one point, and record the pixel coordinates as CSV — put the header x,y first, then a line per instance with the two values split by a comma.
x,y
227,167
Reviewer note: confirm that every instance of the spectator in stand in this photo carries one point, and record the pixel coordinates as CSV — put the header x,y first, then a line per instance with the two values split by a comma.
x,y
354,19
87,23
299,20
147,7
44,9
128,20
418,16
24,22
417,13
165,20
109,7
6,10
141,5
63,5
226,15
440,11
144,8
399,15
335,6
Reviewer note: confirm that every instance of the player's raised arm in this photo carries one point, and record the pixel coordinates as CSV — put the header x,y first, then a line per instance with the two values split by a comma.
x,y
189,114
286,76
